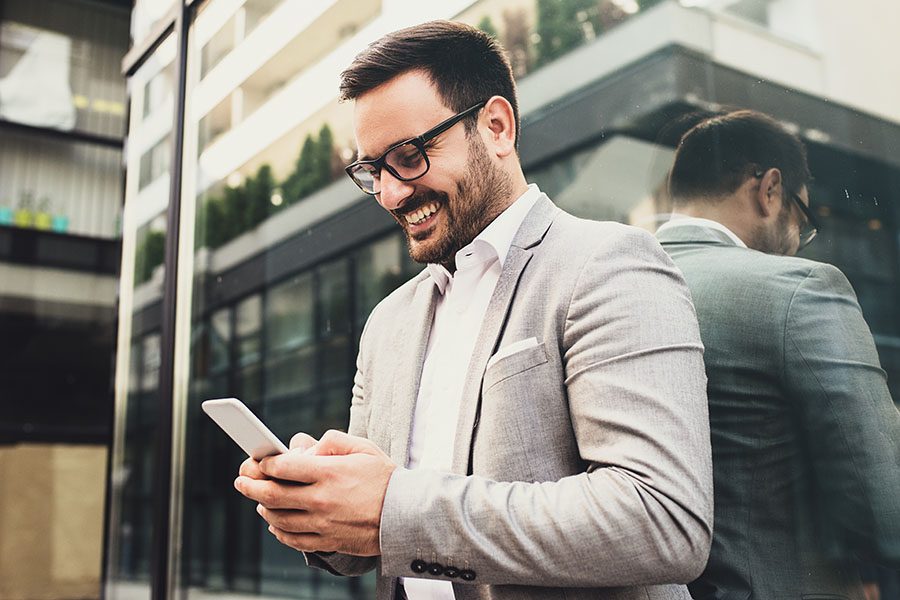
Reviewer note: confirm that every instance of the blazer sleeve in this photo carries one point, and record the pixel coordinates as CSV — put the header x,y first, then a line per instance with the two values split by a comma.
x,y
641,512
849,422
337,563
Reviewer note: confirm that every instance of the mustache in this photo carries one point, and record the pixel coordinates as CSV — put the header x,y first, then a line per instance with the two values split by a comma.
x,y
418,201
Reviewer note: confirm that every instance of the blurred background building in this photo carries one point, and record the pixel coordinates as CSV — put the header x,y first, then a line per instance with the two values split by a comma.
x,y
249,262
62,129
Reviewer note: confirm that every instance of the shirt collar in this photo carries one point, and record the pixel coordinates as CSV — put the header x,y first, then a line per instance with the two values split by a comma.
x,y
680,220
493,242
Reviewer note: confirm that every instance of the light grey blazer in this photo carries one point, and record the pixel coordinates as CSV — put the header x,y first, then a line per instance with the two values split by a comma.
x,y
806,439
581,466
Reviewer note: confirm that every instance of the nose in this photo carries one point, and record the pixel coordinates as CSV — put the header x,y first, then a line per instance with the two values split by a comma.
x,y
393,192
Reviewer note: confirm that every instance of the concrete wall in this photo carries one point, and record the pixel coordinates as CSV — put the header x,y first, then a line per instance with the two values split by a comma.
x,y
51,521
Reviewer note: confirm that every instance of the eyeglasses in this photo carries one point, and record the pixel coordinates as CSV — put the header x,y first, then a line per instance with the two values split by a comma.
x,y
809,225
405,160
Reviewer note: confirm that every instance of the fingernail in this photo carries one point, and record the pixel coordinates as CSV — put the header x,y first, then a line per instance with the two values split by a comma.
x,y
271,529
259,508
237,483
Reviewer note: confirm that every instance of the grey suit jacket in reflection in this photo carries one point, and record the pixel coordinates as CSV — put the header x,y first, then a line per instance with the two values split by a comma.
x,y
581,466
806,439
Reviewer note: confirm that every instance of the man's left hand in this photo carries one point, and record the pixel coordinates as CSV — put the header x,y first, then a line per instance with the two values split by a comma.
x,y
327,498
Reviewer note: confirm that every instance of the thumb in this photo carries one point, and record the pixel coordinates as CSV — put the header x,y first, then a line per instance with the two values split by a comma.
x,y
302,441
336,442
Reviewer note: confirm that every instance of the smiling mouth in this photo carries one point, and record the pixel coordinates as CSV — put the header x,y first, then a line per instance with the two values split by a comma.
x,y
420,215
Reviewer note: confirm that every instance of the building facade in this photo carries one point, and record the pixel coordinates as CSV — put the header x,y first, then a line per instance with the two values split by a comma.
x,y
250,263
62,129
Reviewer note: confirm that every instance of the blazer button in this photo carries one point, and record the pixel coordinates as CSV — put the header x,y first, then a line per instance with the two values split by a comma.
x,y
467,575
451,572
418,566
436,569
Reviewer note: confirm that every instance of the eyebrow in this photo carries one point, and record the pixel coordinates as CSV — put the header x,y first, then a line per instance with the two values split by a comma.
x,y
391,145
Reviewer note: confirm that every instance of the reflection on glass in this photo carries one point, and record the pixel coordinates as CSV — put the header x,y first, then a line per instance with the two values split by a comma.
x,y
618,179
146,15
63,77
134,469
379,271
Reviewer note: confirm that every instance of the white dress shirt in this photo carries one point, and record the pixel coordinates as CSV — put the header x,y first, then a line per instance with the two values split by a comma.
x,y
459,312
679,220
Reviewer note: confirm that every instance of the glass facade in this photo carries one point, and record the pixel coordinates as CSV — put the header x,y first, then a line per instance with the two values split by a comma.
x,y
62,128
280,258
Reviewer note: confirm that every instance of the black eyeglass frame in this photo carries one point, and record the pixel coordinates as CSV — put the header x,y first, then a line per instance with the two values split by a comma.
x,y
419,142
814,226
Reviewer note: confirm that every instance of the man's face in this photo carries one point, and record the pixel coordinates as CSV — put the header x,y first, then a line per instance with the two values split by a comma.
x,y
463,190
783,236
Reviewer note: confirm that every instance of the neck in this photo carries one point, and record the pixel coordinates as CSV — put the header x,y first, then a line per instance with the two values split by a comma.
x,y
721,211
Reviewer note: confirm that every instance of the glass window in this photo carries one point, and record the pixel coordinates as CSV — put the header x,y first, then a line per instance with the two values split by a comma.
x,y
134,470
289,314
60,66
155,162
379,271
287,258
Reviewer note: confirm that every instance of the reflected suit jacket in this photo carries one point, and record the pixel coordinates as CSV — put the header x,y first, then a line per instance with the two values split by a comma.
x,y
581,464
806,439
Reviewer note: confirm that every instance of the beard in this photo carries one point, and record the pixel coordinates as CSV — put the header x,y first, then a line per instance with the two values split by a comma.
x,y
779,238
480,196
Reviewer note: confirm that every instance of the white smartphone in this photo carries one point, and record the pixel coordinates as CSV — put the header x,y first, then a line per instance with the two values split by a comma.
x,y
244,427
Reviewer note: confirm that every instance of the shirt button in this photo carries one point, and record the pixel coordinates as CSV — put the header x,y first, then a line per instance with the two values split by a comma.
x,y
436,569
418,566
467,575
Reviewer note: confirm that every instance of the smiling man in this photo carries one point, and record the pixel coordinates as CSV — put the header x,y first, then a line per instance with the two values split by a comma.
x,y
529,415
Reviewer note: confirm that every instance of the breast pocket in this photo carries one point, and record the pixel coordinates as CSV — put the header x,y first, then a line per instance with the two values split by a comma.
x,y
515,363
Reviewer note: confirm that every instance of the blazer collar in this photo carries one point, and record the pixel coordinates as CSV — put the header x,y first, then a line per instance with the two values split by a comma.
x,y
694,234
412,342
530,234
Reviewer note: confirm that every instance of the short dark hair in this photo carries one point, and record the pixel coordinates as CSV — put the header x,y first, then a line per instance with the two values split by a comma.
x,y
466,65
719,153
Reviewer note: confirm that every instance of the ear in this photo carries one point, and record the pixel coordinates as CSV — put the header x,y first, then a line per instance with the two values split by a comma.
x,y
500,131
768,196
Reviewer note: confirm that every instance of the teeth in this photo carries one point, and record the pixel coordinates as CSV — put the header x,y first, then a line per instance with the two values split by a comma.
x,y
421,214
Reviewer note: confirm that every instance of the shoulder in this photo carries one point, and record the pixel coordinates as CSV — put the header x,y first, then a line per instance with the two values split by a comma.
x,y
583,237
396,304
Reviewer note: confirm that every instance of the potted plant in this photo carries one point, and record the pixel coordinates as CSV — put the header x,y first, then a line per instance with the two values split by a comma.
x,y
42,218
24,214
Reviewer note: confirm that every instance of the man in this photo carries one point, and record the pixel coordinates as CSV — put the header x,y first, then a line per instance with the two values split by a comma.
x,y
806,439
529,416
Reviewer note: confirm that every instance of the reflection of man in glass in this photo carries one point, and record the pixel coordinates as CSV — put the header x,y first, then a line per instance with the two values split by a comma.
x,y
528,416
806,439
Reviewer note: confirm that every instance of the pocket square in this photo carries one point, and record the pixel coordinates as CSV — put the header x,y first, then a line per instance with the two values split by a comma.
x,y
510,349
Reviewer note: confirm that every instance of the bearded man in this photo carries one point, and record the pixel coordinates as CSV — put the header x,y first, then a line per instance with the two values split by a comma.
x,y
529,414
805,436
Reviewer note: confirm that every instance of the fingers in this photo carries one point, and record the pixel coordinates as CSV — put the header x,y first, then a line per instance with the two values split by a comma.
x,y
275,494
291,521
250,468
296,466
302,542
336,442
302,441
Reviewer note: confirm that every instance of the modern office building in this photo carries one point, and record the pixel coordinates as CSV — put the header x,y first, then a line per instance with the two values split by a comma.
x,y
62,130
250,263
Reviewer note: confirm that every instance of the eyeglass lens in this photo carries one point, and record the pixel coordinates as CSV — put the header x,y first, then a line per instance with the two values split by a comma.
x,y
406,162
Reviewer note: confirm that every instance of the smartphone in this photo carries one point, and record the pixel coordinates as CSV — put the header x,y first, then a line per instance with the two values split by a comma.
x,y
244,427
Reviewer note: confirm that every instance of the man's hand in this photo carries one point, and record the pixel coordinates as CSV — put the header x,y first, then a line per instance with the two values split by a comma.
x,y
300,442
324,497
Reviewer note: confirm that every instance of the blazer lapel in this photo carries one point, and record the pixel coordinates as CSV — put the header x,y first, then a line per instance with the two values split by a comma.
x,y
411,341
530,234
